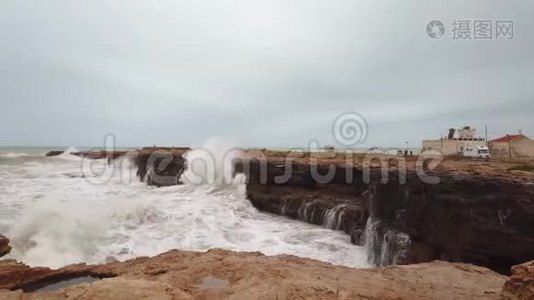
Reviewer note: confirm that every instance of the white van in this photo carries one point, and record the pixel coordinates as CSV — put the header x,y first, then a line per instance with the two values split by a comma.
x,y
477,151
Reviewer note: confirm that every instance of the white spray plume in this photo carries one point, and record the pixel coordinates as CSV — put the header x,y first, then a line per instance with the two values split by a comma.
x,y
211,164
55,233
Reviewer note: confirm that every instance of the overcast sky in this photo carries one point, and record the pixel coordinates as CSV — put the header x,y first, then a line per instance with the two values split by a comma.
x,y
261,73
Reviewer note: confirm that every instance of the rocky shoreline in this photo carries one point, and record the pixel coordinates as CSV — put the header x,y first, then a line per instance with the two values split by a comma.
x,y
469,217
479,212
223,274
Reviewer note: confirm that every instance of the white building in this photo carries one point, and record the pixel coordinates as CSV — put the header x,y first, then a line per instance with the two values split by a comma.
x,y
455,141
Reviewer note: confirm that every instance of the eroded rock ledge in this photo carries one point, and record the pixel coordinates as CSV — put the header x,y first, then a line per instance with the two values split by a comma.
x,y
223,274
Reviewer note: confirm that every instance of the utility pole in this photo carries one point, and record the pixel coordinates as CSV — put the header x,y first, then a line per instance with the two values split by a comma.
x,y
486,132
509,147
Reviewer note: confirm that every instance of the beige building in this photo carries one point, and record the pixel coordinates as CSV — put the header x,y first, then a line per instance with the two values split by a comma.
x,y
455,142
512,146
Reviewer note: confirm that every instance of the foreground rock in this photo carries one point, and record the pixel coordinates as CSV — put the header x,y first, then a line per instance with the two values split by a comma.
x,y
521,283
222,274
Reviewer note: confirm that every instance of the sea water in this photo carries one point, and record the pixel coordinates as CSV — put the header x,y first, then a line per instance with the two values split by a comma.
x,y
56,213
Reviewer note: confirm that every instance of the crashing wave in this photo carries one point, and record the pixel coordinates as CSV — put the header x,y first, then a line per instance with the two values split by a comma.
x,y
212,165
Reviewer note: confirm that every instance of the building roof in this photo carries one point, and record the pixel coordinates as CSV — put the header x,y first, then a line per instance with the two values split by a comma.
x,y
508,138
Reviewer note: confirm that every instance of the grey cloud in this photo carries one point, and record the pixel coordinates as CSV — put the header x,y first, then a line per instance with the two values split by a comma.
x,y
273,73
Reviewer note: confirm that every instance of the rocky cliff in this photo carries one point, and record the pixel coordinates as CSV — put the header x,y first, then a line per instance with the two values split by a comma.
x,y
160,166
471,218
467,217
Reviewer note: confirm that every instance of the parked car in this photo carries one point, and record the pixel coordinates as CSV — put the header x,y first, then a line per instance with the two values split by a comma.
x,y
477,152
375,150
394,152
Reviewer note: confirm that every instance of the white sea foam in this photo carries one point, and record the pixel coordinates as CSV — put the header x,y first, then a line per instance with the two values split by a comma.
x,y
55,232
13,154
55,216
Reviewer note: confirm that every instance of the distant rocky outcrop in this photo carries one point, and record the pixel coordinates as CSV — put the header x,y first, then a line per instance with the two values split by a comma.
x,y
157,166
93,154
160,166
4,246
54,153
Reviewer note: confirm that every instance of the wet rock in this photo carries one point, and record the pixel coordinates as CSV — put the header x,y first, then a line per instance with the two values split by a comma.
x,y
476,219
54,153
213,283
356,236
93,154
160,166
483,219
16,275
55,284
4,246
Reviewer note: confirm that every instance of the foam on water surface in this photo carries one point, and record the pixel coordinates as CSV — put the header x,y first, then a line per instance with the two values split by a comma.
x,y
55,215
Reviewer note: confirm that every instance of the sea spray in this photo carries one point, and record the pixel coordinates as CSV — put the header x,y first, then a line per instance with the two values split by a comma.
x,y
383,245
333,216
211,164
372,241
55,233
